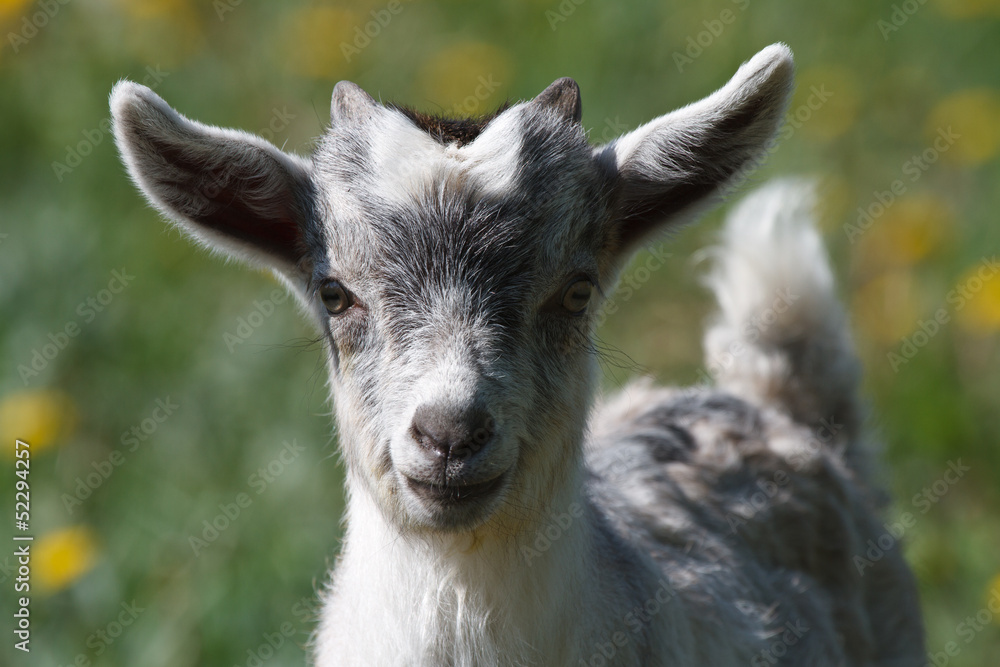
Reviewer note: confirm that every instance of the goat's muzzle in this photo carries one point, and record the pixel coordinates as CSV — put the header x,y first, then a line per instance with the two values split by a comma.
x,y
455,445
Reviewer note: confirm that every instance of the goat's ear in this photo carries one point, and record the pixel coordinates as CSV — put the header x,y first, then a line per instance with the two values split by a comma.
x,y
229,189
668,167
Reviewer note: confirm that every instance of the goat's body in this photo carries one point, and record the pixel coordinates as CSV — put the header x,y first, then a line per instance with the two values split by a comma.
x,y
711,526
756,522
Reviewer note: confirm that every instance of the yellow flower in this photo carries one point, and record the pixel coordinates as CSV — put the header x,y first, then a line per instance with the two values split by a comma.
x,y
911,228
976,299
62,557
164,32
39,418
972,116
887,308
466,78
13,9
964,9
825,104
993,595
153,9
325,42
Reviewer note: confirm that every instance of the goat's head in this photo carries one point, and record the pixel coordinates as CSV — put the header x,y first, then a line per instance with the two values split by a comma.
x,y
454,267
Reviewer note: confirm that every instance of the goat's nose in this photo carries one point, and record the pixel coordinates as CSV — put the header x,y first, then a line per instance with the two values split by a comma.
x,y
452,433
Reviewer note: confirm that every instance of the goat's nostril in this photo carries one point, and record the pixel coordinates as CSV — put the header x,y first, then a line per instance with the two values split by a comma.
x,y
482,435
421,435
417,434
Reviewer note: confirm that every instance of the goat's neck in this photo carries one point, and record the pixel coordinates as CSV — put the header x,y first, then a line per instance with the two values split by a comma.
x,y
544,590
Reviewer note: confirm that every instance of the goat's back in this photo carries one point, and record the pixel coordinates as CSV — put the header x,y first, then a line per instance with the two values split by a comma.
x,y
758,525
754,496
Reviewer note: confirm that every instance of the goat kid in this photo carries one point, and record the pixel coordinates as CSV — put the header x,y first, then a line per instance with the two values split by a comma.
x,y
455,268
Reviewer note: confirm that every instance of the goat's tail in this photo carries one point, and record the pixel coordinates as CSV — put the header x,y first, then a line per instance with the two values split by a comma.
x,y
781,337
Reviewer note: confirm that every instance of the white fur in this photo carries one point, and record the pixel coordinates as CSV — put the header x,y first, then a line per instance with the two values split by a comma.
x,y
409,161
775,286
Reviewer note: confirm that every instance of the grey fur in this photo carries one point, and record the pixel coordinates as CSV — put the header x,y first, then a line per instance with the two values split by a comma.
x,y
457,243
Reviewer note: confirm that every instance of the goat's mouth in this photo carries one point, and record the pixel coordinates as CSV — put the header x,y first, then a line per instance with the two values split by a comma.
x,y
453,494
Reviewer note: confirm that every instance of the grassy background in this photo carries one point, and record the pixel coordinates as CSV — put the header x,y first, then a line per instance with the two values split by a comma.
x,y
115,510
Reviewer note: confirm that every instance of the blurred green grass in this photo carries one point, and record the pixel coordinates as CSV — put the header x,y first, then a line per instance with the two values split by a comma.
x,y
69,219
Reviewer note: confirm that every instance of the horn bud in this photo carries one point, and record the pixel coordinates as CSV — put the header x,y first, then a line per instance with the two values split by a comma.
x,y
350,102
562,96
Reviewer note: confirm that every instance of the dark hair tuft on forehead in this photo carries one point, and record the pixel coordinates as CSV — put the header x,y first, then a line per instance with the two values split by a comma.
x,y
449,130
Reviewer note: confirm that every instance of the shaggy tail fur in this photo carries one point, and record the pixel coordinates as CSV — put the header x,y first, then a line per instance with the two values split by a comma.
x,y
781,337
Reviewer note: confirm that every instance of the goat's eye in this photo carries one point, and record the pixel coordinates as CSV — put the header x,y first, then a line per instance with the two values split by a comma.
x,y
577,296
334,297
